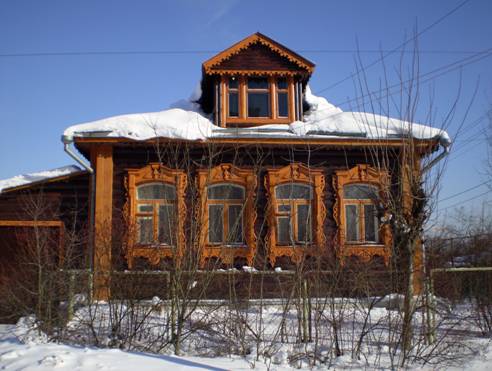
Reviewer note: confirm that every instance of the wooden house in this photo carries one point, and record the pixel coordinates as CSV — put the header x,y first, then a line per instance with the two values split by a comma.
x,y
231,182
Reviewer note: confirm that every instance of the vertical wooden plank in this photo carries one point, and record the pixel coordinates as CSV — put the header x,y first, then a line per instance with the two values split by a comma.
x,y
290,84
103,164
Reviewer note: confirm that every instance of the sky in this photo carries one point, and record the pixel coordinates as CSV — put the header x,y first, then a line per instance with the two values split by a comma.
x,y
69,62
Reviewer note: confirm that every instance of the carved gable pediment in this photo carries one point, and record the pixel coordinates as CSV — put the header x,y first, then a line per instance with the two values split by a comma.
x,y
258,53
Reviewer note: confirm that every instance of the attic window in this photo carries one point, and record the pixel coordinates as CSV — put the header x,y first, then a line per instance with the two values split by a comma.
x,y
257,100
258,97
233,97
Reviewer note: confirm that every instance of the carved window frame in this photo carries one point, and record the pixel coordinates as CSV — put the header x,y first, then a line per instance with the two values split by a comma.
x,y
223,174
155,173
296,173
360,174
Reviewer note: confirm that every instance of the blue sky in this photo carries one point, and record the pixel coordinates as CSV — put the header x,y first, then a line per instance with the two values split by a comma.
x,y
41,95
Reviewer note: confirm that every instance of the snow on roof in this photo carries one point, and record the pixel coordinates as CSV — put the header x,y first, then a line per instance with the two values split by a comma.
x,y
184,120
20,180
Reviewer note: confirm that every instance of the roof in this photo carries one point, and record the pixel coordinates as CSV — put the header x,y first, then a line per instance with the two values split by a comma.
x,y
41,177
257,37
323,121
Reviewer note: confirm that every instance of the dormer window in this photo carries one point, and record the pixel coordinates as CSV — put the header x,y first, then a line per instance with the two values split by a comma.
x,y
255,82
258,99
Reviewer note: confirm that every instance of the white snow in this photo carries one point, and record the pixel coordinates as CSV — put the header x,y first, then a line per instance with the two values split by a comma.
x,y
25,179
184,120
173,123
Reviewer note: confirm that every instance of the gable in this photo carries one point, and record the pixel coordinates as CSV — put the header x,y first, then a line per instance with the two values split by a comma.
x,y
257,57
258,53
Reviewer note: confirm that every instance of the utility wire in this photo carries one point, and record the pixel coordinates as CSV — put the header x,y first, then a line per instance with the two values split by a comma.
x,y
464,201
188,52
465,191
364,68
439,71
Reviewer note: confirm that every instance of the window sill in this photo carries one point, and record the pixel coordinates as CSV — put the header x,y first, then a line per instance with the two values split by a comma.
x,y
252,121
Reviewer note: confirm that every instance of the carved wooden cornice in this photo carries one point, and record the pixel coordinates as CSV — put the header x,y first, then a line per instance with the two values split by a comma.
x,y
228,173
213,62
368,175
297,173
154,172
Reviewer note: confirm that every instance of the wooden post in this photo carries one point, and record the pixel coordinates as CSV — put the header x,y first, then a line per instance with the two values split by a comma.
x,y
102,161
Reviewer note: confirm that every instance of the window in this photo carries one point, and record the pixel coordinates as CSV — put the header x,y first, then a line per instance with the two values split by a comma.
x,y
233,96
157,213
357,212
227,196
361,216
296,212
282,98
257,99
225,212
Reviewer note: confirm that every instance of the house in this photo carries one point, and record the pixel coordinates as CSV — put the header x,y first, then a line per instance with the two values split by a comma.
x,y
255,170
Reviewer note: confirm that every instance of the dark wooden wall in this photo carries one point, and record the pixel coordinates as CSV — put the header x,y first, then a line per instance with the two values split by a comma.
x,y
193,157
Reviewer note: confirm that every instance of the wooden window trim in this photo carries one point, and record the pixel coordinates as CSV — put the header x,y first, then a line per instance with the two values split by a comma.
x,y
228,173
242,90
155,173
296,173
360,174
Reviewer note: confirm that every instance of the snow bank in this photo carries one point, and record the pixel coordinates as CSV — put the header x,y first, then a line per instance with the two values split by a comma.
x,y
24,179
186,121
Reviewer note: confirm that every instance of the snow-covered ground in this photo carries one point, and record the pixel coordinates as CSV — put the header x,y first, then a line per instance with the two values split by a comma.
x,y
459,345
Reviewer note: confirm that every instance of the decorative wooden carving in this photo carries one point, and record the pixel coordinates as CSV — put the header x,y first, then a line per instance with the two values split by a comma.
x,y
210,66
297,173
228,173
155,172
367,175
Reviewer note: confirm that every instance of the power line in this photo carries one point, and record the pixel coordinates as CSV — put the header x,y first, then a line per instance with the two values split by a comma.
x,y
398,47
467,200
446,69
188,52
465,191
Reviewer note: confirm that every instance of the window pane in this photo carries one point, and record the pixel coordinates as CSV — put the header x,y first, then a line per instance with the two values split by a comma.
x,y
294,191
258,83
145,208
233,105
284,208
156,191
145,229
282,105
235,224
225,192
371,223
215,223
304,229
360,191
258,105
284,231
233,82
352,222
166,224
282,84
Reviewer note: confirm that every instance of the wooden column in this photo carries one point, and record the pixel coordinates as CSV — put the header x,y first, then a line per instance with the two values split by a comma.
x,y
411,174
102,161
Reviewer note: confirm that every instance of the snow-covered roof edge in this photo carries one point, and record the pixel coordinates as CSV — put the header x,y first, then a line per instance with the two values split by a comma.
x,y
184,120
38,177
